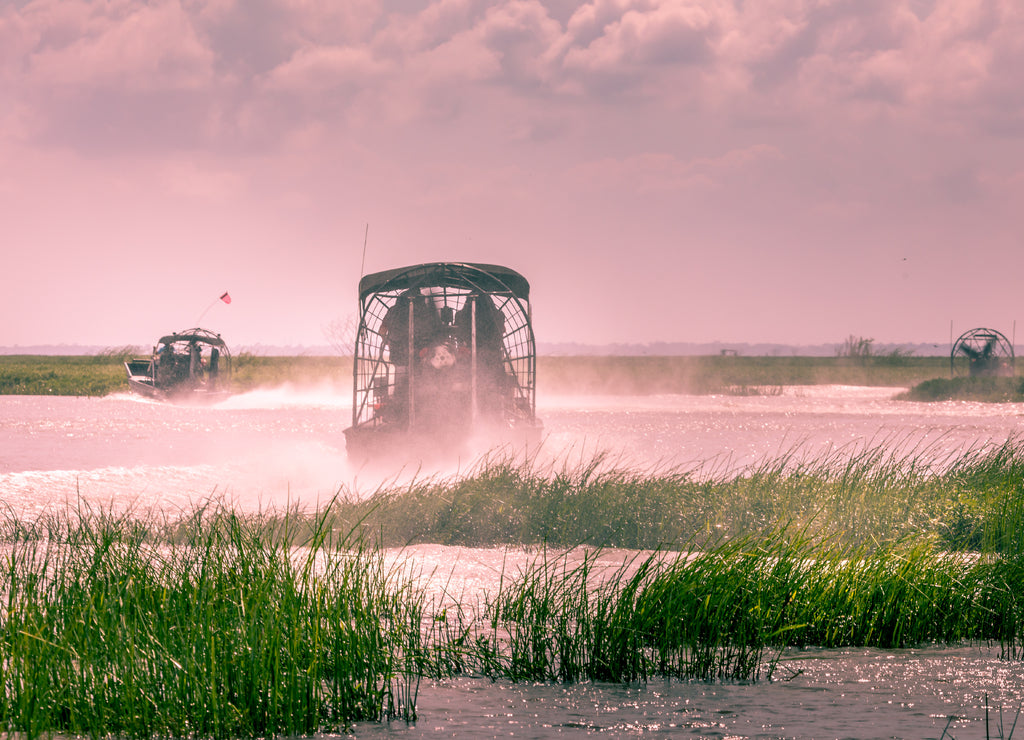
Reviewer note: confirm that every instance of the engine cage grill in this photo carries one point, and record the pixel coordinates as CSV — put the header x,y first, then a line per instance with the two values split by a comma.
x,y
388,364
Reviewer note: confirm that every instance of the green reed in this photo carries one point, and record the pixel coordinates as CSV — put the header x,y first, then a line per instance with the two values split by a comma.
x,y
727,612
230,628
875,493
985,389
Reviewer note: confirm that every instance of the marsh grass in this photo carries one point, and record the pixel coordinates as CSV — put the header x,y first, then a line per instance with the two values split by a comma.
x,y
573,375
725,613
879,492
103,373
79,375
985,389
285,623
235,629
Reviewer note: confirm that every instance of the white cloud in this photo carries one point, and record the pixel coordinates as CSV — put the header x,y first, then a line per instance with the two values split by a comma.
x,y
318,70
653,173
128,46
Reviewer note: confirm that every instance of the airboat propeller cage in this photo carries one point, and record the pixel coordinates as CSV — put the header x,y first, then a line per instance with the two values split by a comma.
x,y
418,322
982,353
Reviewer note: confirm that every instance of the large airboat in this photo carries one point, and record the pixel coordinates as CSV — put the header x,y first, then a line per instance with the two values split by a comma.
x,y
444,357
194,364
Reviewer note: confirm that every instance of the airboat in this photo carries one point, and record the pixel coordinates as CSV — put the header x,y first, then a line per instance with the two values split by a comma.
x,y
194,364
444,359
982,353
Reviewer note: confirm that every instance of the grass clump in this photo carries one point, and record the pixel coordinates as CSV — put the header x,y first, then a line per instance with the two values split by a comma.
x,y
876,494
727,612
77,375
984,389
229,628
574,375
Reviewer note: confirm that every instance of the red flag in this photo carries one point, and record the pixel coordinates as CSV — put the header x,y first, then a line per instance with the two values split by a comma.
x,y
226,298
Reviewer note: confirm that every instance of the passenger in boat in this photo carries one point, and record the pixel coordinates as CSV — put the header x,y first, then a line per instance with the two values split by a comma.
x,y
395,332
214,367
441,390
164,365
426,325
491,380
195,363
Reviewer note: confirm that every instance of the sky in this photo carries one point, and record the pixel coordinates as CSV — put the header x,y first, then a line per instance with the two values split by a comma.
x,y
794,171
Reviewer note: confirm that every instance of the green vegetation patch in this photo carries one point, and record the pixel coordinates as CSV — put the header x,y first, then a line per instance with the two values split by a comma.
x,y
727,374
876,494
986,389
219,627
104,373
73,375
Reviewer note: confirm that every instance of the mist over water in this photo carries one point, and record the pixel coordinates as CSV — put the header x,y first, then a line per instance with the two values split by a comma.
x,y
285,446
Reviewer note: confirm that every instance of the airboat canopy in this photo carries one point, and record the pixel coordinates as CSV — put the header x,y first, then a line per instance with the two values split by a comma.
x,y
195,335
481,277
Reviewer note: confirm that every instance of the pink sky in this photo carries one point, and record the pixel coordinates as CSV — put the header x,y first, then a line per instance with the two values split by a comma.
x,y
660,170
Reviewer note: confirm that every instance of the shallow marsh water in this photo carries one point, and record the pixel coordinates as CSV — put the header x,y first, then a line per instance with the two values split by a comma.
x,y
286,447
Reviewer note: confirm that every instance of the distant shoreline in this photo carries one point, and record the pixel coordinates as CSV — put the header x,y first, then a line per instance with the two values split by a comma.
x,y
550,349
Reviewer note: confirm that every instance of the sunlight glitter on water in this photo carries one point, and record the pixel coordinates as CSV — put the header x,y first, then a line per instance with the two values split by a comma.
x,y
862,694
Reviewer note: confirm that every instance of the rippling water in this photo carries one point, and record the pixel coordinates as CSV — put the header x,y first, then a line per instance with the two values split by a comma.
x,y
286,446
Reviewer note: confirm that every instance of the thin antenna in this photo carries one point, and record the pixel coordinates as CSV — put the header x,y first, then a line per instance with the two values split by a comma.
x,y
225,297
362,265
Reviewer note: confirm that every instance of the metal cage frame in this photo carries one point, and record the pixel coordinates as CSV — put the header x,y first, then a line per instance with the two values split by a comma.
x,y
385,374
982,352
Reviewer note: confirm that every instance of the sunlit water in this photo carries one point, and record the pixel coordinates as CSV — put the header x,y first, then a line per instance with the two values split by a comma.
x,y
285,447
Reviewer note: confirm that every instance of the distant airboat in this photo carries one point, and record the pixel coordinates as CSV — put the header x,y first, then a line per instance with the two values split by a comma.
x,y
194,364
444,353
982,352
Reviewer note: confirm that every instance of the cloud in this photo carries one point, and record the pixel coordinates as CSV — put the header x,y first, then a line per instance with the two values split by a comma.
x,y
756,129
320,70
84,71
652,173
129,47
612,47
